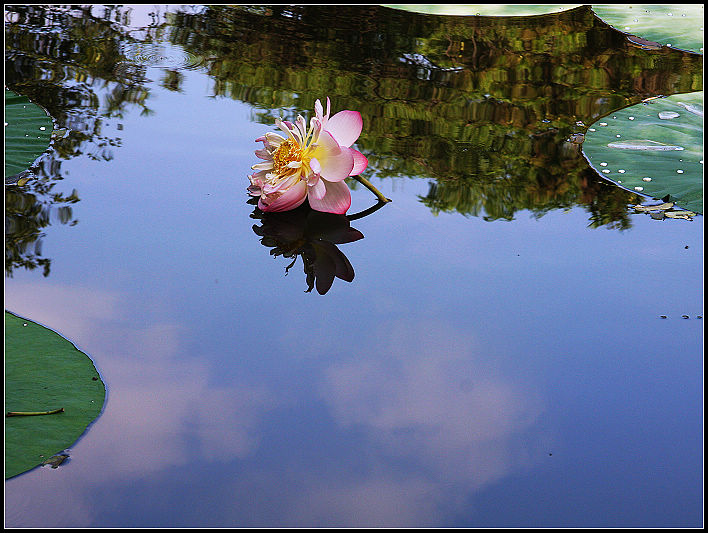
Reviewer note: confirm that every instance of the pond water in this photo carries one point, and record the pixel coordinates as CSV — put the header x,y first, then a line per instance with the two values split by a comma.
x,y
511,351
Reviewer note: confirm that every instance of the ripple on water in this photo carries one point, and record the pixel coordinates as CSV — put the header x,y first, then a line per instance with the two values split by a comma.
x,y
156,55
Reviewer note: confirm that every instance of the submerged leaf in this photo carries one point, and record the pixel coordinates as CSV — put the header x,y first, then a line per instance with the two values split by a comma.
x,y
658,207
56,460
686,215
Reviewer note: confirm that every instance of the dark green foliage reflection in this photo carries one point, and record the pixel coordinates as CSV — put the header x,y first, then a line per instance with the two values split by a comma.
x,y
64,59
484,107
29,209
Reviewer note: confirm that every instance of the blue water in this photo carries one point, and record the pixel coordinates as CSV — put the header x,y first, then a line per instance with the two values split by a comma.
x,y
473,374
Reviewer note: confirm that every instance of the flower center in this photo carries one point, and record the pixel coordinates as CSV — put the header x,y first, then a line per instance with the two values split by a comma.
x,y
287,152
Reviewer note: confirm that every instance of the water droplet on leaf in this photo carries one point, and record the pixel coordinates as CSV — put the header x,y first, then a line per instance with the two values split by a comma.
x,y
644,144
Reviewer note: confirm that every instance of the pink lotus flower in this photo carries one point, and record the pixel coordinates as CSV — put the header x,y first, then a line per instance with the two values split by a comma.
x,y
309,163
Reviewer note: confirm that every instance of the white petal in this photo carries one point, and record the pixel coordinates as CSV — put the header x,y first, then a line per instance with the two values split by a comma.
x,y
263,154
274,138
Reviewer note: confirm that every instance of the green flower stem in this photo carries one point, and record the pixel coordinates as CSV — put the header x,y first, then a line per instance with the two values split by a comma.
x,y
366,183
34,413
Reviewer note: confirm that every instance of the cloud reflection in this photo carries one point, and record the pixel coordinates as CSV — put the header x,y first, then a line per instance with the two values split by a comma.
x,y
374,502
166,408
452,419
429,420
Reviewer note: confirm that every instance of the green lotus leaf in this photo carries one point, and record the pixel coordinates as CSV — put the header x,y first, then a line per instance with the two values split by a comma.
x,y
486,10
45,373
676,25
654,148
28,133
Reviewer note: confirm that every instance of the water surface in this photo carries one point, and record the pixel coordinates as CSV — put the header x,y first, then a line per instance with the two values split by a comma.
x,y
500,357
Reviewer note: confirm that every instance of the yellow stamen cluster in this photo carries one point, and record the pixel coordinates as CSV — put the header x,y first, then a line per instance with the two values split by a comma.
x,y
287,152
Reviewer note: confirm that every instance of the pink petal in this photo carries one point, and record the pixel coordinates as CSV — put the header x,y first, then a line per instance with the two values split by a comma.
x,y
317,189
282,184
290,199
345,127
335,163
337,199
360,162
256,186
319,111
286,126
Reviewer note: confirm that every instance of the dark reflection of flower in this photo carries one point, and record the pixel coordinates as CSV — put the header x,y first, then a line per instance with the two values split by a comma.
x,y
312,235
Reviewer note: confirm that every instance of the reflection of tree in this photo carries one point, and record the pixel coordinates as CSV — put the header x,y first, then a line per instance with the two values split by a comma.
x,y
312,235
28,210
64,59
540,192
484,105
79,74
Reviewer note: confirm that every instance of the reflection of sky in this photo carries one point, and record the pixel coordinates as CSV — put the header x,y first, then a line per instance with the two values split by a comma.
x,y
430,391
449,418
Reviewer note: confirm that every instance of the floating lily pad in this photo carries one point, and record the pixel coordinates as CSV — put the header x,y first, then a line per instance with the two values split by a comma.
x,y
44,372
486,10
654,148
28,133
676,25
